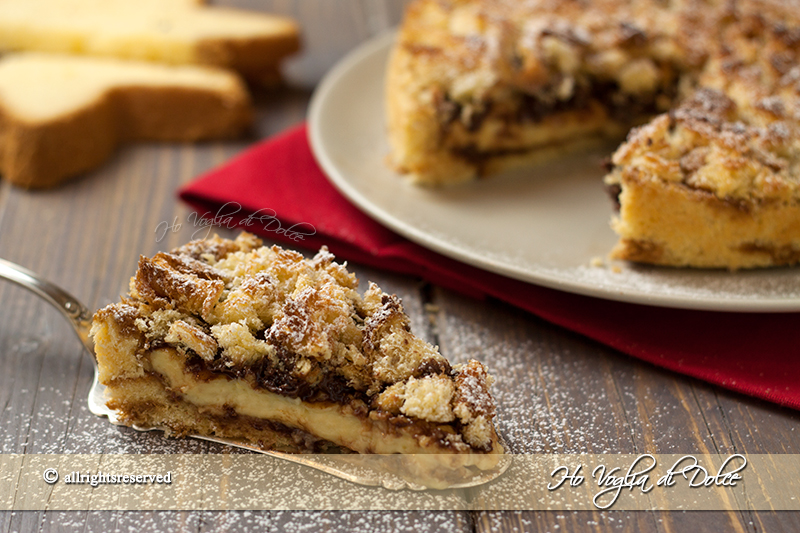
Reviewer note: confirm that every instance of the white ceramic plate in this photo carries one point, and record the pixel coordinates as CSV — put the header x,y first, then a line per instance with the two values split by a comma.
x,y
542,225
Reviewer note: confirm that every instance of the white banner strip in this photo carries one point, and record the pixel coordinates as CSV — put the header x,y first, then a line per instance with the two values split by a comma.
x,y
516,482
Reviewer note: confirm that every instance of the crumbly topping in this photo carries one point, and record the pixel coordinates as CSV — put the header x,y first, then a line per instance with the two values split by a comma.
x,y
473,404
550,49
478,433
535,46
711,143
465,398
163,287
192,338
391,399
298,324
387,339
215,248
429,398
472,396
156,325
239,346
738,136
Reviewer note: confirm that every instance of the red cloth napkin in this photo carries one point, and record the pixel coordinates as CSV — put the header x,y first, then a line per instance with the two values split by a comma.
x,y
280,187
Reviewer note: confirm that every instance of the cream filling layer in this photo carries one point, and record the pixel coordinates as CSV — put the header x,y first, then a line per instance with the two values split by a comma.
x,y
327,421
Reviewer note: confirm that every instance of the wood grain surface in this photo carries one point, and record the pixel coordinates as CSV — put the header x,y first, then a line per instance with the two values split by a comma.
x,y
556,391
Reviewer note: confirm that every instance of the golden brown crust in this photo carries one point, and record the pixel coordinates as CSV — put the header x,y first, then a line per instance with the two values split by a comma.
x,y
668,223
257,59
710,185
284,325
145,402
39,153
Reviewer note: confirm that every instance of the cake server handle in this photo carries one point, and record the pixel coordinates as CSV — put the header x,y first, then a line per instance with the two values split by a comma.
x,y
78,314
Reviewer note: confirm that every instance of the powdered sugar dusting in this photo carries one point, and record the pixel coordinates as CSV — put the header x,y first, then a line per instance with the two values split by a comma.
x,y
551,397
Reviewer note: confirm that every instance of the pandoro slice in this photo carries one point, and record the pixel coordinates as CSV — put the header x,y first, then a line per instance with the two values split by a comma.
x,y
63,115
236,340
172,32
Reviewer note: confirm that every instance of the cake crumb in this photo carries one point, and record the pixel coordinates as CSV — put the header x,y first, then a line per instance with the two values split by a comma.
x,y
597,261
432,308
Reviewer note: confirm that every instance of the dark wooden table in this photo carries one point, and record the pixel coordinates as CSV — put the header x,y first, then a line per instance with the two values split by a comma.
x,y
557,392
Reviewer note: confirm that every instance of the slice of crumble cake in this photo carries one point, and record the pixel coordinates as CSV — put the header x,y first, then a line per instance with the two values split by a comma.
x,y
236,340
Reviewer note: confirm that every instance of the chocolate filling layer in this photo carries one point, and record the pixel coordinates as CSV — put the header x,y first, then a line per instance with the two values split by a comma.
x,y
392,423
621,107
331,388
614,190
781,255
532,108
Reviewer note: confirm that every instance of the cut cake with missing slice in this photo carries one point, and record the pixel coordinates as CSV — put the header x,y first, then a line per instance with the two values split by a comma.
x,y
231,339
716,182
478,85
475,86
